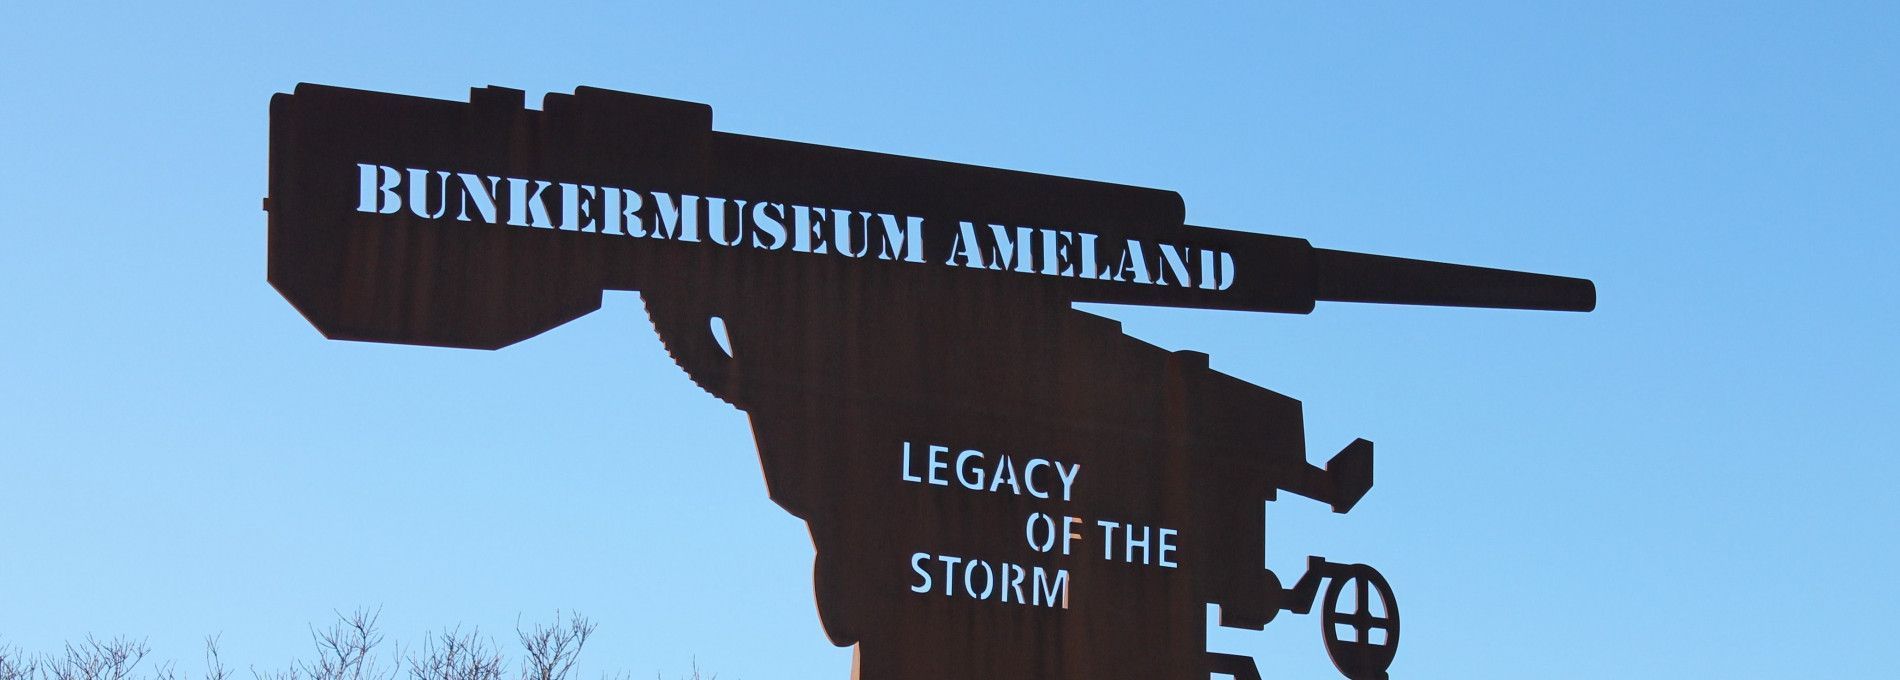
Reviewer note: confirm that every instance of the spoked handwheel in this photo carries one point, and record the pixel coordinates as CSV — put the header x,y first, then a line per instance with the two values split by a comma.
x,y
1363,641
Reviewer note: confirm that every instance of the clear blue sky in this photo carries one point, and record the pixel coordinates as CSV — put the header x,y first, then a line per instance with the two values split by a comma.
x,y
1695,481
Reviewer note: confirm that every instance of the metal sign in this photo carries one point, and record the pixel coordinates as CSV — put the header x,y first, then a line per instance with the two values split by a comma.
x,y
997,485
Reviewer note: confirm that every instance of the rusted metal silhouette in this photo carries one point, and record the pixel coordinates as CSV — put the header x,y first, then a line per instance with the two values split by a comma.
x,y
997,485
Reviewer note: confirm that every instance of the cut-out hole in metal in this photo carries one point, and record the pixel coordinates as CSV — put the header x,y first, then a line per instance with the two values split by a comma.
x,y
719,334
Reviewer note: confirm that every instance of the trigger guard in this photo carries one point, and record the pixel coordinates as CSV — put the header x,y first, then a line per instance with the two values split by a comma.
x,y
685,331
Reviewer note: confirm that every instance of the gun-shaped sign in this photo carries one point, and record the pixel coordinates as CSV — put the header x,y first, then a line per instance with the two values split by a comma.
x,y
997,485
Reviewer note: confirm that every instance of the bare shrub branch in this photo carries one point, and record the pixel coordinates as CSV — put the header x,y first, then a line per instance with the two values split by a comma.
x,y
17,665
553,648
349,649
454,656
346,651
114,659
695,676
214,663
286,674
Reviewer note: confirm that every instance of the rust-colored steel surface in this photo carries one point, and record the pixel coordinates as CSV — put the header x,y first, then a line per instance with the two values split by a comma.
x,y
997,485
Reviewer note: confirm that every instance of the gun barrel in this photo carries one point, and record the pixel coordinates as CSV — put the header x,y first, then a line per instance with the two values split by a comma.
x,y
1342,276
